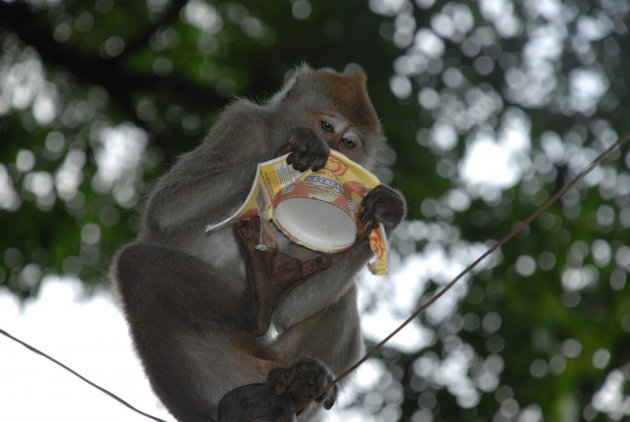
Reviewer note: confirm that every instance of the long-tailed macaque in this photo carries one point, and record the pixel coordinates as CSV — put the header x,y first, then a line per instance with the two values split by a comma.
x,y
199,306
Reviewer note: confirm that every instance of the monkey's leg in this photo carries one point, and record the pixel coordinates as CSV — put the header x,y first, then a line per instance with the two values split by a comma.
x,y
332,336
189,327
155,277
270,273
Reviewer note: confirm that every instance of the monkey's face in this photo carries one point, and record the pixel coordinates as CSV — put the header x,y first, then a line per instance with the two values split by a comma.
x,y
337,107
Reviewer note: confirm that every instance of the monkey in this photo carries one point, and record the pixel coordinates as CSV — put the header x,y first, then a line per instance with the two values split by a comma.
x,y
210,318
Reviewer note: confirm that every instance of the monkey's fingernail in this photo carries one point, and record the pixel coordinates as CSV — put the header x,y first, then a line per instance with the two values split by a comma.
x,y
363,217
363,202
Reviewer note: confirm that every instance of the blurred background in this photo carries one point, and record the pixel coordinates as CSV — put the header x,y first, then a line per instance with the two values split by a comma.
x,y
489,105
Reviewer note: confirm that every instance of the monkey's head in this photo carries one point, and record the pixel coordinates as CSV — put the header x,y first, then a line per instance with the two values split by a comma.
x,y
337,107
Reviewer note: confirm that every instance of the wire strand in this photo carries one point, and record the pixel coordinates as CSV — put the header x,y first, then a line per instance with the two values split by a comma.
x,y
515,231
81,377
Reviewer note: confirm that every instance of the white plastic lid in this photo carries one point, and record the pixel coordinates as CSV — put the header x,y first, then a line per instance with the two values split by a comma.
x,y
316,224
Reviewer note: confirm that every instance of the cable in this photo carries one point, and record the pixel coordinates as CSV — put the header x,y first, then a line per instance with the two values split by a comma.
x,y
76,374
515,231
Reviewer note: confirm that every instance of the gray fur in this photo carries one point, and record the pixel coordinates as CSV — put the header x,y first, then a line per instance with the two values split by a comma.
x,y
183,291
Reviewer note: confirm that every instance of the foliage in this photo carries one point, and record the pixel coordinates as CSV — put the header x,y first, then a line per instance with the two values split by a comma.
x,y
98,98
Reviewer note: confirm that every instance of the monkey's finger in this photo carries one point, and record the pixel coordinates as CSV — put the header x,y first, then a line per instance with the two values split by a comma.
x,y
319,162
367,205
372,201
304,159
317,157
298,161
292,158
331,397
316,264
302,165
367,214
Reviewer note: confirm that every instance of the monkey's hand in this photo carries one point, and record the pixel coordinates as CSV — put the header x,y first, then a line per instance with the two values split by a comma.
x,y
306,381
308,150
383,205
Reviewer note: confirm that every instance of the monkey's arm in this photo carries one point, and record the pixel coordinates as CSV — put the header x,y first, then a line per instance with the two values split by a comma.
x,y
209,183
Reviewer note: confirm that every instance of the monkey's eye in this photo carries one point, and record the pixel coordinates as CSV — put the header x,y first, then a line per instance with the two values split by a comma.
x,y
349,143
327,127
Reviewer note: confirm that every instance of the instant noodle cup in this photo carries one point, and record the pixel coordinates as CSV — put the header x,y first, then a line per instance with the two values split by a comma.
x,y
317,211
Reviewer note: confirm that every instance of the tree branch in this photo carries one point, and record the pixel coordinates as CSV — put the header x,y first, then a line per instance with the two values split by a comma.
x,y
141,39
121,83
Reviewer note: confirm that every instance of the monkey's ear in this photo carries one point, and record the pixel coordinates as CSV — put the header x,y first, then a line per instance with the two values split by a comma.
x,y
356,71
359,76
303,68
285,91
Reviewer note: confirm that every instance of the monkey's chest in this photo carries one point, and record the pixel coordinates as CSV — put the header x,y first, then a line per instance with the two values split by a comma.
x,y
219,249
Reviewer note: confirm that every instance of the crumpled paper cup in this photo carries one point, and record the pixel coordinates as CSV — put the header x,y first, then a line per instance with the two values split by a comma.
x,y
319,210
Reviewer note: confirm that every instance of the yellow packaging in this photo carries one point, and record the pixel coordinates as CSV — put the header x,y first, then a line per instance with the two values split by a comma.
x,y
319,210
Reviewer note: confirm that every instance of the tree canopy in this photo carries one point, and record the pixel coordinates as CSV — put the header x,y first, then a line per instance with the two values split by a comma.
x,y
490,106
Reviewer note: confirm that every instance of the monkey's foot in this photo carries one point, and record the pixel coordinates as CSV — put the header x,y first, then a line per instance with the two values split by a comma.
x,y
306,381
277,273
286,392
271,273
